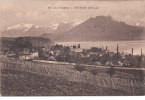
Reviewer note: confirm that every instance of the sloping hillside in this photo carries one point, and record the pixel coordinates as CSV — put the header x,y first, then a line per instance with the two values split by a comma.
x,y
22,42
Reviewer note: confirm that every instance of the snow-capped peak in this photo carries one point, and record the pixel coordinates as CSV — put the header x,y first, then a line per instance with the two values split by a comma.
x,y
139,24
20,26
54,26
77,22
37,26
28,25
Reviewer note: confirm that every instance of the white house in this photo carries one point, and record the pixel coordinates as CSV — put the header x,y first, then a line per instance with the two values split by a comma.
x,y
29,56
77,50
10,54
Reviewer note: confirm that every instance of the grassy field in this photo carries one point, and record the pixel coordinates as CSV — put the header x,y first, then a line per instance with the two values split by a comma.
x,y
18,83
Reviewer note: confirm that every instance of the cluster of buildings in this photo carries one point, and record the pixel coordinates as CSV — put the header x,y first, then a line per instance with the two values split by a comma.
x,y
24,54
75,54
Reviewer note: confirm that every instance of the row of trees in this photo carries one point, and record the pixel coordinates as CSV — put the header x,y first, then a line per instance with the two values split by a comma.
x,y
67,55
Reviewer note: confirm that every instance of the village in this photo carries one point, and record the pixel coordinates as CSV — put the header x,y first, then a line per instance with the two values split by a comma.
x,y
76,54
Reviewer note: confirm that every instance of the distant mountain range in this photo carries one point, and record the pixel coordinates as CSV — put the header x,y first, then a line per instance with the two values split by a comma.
x,y
21,30
103,28
100,28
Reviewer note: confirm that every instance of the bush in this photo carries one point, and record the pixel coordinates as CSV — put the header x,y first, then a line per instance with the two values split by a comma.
x,y
111,71
104,59
79,68
94,72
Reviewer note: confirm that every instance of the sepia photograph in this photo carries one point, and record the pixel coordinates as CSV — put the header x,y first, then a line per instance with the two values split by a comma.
x,y
72,48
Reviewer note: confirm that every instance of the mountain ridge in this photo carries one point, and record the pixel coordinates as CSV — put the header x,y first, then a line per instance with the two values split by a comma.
x,y
21,30
100,28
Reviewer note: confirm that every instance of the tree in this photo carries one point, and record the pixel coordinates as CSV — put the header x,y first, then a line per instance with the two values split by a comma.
x,y
111,71
132,60
57,47
64,55
21,43
74,47
139,62
104,59
79,46
94,49
95,58
42,54
115,58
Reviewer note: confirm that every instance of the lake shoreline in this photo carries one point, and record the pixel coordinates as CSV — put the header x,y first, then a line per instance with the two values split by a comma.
x,y
124,46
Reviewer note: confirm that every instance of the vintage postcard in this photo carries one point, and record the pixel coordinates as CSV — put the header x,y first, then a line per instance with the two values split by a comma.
x,y
72,47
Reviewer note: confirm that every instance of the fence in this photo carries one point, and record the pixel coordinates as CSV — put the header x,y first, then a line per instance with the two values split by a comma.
x,y
120,80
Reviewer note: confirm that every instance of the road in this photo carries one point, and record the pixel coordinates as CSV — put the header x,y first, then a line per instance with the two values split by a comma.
x,y
96,66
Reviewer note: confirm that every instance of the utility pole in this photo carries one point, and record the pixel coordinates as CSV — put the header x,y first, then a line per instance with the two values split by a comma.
x,y
102,47
132,51
106,48
141,52
140,60
117,51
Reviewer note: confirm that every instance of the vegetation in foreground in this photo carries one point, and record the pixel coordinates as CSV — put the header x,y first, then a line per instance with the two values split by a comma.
x,y
17,83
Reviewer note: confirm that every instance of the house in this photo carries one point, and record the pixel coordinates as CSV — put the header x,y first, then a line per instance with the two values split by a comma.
x,y
52,58
29,56
98,63
77,50
109,63
44,49
120,63
56,52
10,54
25,57
34,55
24,51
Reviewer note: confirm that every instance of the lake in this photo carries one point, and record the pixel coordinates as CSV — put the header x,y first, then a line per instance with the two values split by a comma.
x,y
124,46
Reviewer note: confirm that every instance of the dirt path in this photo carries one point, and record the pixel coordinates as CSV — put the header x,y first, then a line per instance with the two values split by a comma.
x,y
57,62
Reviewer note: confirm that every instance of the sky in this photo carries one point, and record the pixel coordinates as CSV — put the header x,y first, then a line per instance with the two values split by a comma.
x,y
14,12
